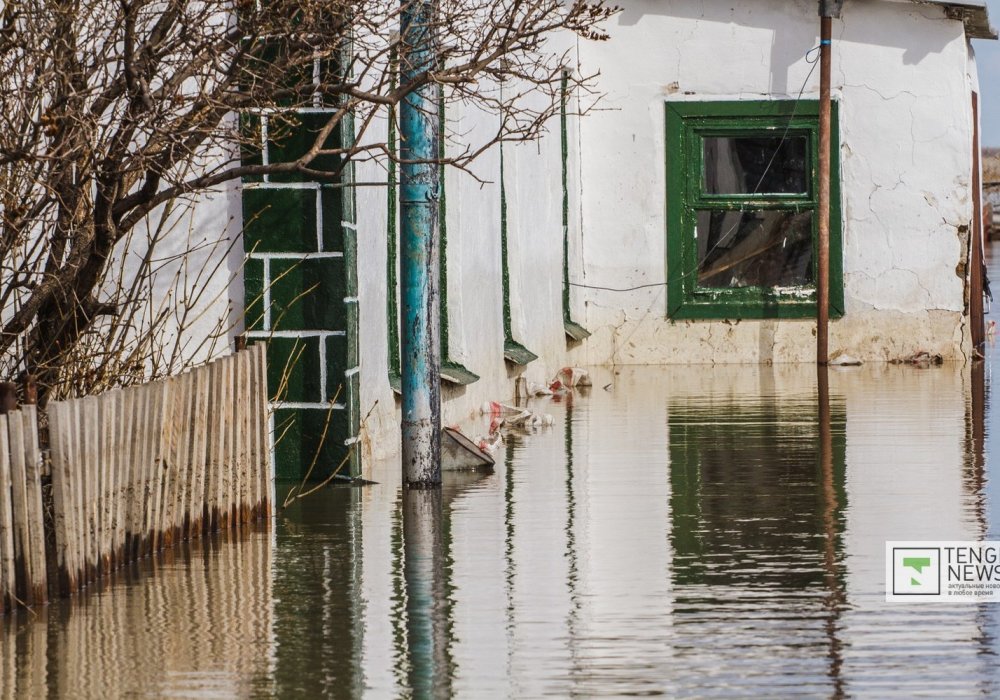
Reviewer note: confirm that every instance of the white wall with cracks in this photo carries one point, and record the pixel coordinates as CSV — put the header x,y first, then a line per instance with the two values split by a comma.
x,y
903,74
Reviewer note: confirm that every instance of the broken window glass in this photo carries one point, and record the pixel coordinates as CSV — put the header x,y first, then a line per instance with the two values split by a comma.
x,y
756,164
756,248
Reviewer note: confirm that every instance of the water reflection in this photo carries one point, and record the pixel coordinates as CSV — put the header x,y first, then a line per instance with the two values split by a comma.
x,y
428,624
691,531
319,609
196,622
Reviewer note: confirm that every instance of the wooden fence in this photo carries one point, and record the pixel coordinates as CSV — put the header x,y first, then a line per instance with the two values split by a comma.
x,y
133,471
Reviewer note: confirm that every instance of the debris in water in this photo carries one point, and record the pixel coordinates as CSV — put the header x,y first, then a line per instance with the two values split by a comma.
x,y
920,359
536,389
573,376
459,452
842,359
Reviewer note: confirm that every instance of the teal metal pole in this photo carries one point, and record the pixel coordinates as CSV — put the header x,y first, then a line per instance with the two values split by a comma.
x,y
419,272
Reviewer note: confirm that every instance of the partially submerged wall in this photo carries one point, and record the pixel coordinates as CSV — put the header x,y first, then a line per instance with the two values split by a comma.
x,y
902,75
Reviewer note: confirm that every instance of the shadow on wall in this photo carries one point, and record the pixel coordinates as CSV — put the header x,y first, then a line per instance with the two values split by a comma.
x,y
795,30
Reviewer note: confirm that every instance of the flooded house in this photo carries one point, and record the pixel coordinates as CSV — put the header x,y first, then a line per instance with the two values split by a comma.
x,y
991,192
674,223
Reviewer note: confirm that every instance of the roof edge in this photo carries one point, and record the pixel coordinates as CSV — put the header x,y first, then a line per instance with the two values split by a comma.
x,y
974,14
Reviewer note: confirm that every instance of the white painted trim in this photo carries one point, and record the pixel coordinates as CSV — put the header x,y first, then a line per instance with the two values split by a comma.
x,y
293,256
267,294
310,406
264,111
265,155
268,185
319,220
294,334
322,370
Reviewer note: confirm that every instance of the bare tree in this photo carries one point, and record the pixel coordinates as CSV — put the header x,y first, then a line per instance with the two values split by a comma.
x,y
115,115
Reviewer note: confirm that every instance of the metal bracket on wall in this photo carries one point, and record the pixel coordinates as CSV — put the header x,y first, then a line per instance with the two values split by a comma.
x,y
830,8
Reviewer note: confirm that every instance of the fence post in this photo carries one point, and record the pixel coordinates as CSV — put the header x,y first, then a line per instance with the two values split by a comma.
x,y
23,563
7,580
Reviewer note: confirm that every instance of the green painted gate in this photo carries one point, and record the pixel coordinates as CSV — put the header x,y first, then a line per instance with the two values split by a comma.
x,y
300,281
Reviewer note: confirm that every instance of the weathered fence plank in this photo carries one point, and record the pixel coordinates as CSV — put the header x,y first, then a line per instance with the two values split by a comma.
x,y
216,447
90,429
122,443
197,457
62,500
23,564
38,584
158,397
266,470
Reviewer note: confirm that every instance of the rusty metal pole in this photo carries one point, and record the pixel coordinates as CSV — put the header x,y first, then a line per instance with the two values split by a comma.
x,y
30,390
977,316
828,10
8,397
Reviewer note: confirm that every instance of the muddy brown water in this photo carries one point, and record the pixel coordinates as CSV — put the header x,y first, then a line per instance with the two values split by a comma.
x,y
690,531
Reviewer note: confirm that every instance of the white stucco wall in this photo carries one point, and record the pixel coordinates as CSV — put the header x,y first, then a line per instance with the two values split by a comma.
x,y
901,73
474,266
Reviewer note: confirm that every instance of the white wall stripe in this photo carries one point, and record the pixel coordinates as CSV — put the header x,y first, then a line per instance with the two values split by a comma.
x,y
322,371
264,111
310,406
294,256
267,185
271,443
319,221
265,156
267,294
294,334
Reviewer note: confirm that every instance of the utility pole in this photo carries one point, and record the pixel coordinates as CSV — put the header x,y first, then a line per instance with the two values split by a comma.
x,y
828,9
421,356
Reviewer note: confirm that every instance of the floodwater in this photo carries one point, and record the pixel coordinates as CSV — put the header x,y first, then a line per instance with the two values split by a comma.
x,y
688,531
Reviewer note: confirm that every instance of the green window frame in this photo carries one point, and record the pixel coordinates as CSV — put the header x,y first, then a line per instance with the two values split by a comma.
x,y
688,124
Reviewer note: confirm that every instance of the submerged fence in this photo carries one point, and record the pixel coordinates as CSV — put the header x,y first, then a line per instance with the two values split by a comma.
x,y
133,471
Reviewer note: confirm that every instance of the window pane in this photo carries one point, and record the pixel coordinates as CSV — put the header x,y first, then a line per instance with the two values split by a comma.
x,y
754,248
756,165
